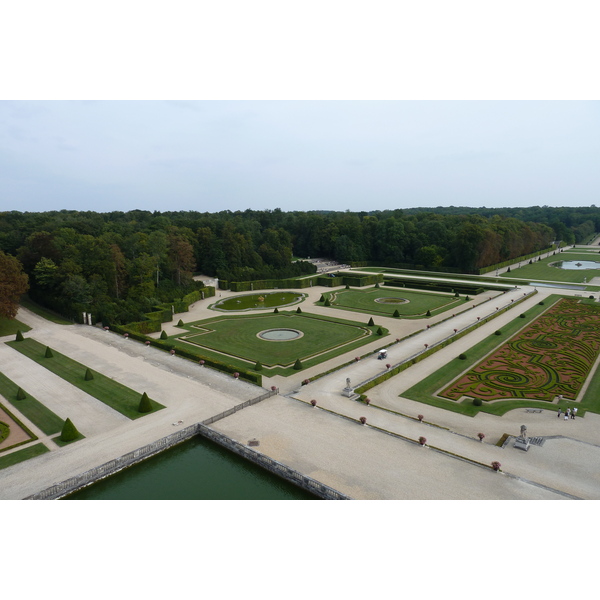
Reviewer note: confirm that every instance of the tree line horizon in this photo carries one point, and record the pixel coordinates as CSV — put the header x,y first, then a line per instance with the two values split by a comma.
x,y
118,265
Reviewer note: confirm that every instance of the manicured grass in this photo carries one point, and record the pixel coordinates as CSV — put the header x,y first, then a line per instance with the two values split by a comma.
x,y
113,394
417,306
31,408
20,455
45,313
60,443
236,338
258,301
11,326
426,389
542,271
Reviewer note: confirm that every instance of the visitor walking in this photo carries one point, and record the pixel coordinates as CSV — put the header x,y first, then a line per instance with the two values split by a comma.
x,y
574,412
559,413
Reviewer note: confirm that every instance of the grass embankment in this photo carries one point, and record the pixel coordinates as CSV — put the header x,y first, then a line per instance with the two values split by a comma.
x,y
31,408
426,389
11,326
119,397
45,313
416,308
234,339
20,455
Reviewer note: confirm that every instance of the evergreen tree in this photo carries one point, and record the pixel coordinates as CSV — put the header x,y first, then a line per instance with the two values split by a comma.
x,y
69,432
21,395
396,313
163,335
298,365
88,375
258,366
19,337
299,310
371,322
145,405
48,352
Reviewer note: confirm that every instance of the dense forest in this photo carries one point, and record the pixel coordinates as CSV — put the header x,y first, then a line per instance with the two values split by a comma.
x,y
120,264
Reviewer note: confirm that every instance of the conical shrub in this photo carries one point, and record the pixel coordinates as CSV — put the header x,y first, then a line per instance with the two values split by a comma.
x,y
396,313
299,310
258,366
21,395
163,335
322,298
298,365
180,323
19,337
379,331
371,322
327,302
69,432
48,352
276,310
88,375
145,404
428,313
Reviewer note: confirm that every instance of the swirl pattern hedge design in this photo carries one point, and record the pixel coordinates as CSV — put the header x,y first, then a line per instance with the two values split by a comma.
x,y
553,355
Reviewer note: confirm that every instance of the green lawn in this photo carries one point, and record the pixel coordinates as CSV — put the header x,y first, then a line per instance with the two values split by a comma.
x,y
257,301
236,338
426,389
11,326
117,396
417,306
20,455
31,408
542,271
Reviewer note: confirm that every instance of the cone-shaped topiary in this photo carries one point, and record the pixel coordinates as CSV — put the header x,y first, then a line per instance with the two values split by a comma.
x,y
456,294
467,299
322,298
327,302
258,366
180,323
396,313
377,285
371,322
19,337
347,287
163,335
69,432
298,310
379,331
462,356
88,375
508,270
428,313
145,404
48,352
276,310
21,395
298,365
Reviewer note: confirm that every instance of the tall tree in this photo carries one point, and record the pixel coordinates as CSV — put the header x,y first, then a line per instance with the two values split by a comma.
x,y
13,283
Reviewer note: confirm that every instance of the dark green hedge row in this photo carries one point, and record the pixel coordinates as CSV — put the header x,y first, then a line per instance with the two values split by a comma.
x,y
270,284
406,266
449,287
355,280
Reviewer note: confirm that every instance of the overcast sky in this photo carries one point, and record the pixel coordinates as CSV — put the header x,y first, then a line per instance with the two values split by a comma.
x,y
297,155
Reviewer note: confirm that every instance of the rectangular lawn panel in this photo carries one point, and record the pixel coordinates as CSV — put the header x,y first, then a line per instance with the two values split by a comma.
x,y
20,455
110,392
31,408
239,337
552,356
385,301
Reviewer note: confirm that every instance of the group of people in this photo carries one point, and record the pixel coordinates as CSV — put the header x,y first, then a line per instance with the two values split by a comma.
x,y
570,412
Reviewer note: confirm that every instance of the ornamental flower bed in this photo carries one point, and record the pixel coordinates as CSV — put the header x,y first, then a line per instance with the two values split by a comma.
x,y
553,355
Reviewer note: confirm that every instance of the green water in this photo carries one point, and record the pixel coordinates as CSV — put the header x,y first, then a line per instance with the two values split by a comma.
x,y
197,469
259,300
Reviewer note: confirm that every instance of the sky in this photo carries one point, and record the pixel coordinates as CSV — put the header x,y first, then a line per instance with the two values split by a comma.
x,y
297,155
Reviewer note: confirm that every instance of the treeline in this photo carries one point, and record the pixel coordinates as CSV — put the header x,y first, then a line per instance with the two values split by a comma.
x,y
119,265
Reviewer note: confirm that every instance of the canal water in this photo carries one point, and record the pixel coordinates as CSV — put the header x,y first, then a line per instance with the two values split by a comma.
x,y
197,469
